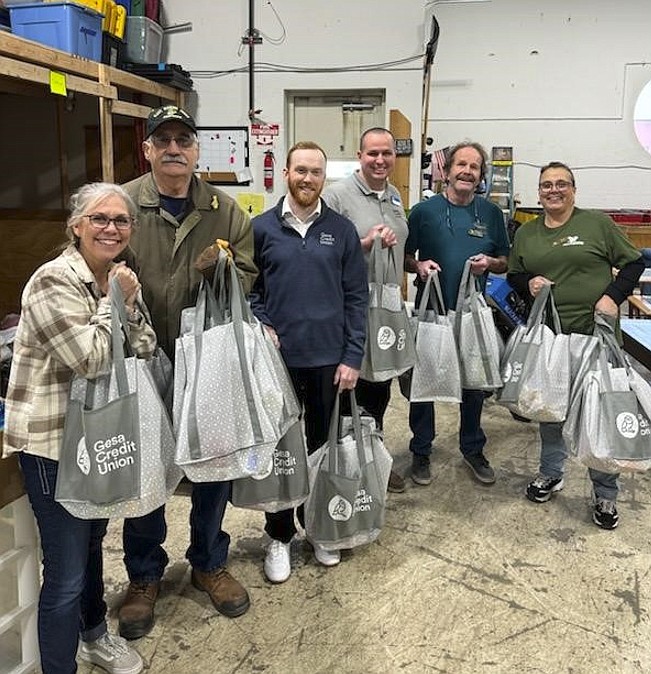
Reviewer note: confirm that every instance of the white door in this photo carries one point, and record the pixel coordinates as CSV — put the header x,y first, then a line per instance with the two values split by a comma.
x,y
335,120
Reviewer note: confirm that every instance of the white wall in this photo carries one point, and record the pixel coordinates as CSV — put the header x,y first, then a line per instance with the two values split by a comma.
x,y
557,80
335,33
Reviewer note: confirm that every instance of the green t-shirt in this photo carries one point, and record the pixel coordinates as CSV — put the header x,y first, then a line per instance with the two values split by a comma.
x,y
578,257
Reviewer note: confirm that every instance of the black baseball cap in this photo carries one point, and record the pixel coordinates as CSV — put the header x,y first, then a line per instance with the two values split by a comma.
x,y
169,113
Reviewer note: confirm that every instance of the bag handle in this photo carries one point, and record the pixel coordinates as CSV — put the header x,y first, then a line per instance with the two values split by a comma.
x,y
470,294
465,285
606,333
544,302
233,303
119,336
437,303
610,351
381,271
335,424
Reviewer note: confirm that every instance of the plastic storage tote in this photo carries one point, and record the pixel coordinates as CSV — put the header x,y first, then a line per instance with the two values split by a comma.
x,y
72,28
144,39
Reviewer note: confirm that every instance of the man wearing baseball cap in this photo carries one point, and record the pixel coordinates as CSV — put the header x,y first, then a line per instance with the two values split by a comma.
x,y
179,217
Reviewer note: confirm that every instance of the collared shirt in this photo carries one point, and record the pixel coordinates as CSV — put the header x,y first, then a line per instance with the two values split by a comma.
x,y
353,198
301,226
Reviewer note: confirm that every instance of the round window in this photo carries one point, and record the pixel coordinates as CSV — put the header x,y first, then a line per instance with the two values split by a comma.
x,y
642,117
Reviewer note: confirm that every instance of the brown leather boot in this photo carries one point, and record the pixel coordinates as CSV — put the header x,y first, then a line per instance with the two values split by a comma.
x,y
136,615
226,594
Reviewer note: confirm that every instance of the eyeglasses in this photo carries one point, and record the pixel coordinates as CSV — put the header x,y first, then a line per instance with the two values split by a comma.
x,y
559,185
183,141
101,221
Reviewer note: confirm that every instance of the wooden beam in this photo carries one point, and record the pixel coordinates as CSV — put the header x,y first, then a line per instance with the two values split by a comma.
x,y
63,153
400,127
130,109
55,59
41,75
11,479
106,131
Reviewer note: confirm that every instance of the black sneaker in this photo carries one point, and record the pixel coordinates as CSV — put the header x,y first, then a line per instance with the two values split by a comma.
x,y
480,468
604,513
396,483
420,471
541,488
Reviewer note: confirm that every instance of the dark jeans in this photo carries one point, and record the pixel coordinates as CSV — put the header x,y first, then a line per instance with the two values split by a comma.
x,y
143,537
71,602
316,393
471,436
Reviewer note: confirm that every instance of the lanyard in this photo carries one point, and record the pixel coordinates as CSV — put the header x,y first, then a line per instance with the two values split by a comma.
x,y
478,229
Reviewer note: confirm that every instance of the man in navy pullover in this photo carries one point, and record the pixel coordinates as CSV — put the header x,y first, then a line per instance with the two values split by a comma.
x,y
311,295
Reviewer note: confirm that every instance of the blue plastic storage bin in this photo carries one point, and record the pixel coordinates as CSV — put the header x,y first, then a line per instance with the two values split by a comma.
x,y
73,28
504,297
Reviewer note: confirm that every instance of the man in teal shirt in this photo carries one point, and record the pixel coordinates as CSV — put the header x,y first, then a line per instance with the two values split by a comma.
x,y
445,231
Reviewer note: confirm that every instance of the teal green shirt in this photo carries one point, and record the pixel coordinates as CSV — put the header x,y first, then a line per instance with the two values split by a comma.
x,y
450,234
578,257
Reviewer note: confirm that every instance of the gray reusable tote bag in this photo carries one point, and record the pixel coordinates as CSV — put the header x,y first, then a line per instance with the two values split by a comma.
x,y
436,375
100,461
615,423
285,484
117,456
229,406
536,366
477,338
389,349
100,458
348,483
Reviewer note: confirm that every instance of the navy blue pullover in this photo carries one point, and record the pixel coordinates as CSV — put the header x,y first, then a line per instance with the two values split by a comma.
x,y
312,291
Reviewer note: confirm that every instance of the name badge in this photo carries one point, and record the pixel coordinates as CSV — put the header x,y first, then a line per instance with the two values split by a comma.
x,y
479,231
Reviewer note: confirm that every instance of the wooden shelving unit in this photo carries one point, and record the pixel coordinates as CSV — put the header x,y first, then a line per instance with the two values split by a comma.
x,y
500,180
26,68
25,64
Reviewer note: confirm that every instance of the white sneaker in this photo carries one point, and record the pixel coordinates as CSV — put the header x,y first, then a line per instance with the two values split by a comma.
x,y
326,557
112,654
277,565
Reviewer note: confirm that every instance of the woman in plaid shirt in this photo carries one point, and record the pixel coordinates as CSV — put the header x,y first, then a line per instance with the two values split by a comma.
x,y
65,330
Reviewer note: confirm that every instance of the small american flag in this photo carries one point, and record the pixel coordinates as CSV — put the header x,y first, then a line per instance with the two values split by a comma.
x,y
439,163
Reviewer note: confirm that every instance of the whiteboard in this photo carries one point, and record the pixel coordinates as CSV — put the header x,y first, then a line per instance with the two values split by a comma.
x,y
223,149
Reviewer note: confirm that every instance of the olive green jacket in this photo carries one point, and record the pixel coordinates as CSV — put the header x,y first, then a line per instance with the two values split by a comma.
x,y
166,249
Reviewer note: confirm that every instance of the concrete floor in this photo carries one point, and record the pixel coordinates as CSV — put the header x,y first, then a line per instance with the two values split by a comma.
x,y
465,578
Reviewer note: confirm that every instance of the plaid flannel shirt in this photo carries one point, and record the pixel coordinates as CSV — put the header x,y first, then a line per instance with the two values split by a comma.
x,y
64,329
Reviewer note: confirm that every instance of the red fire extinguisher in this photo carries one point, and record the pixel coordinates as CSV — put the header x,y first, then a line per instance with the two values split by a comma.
x,y
268,171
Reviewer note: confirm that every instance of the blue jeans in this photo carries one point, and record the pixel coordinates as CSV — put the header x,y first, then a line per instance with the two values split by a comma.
x,y
71,602
553,453
471,436
143,537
